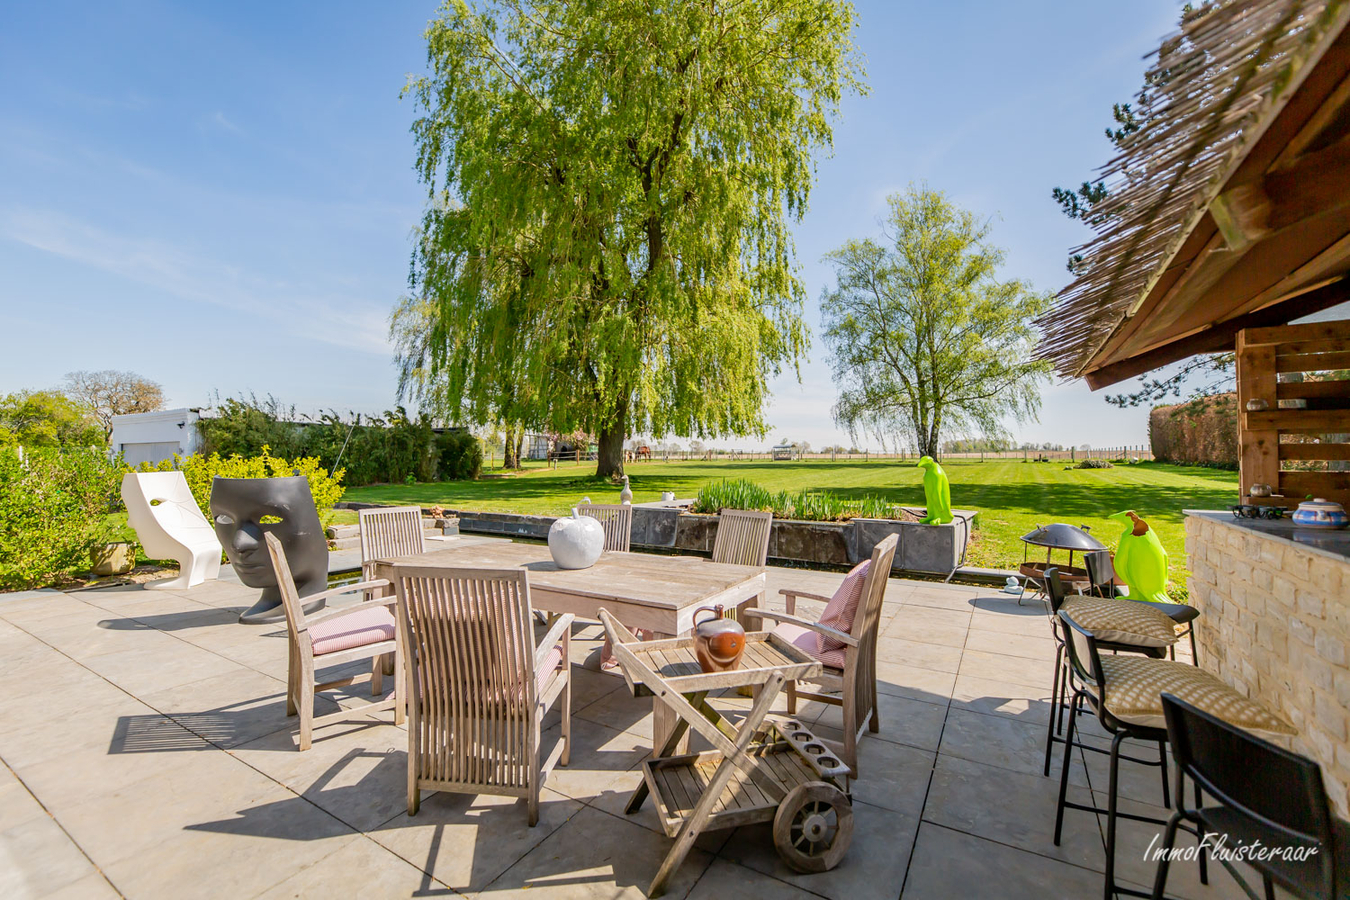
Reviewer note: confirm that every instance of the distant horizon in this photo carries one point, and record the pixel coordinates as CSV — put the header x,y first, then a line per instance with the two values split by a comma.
x,y
221,199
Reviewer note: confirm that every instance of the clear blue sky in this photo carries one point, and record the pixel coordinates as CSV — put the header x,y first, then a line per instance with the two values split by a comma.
x,y
221,196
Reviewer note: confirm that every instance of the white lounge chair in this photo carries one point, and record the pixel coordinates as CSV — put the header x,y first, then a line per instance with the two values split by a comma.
x,y
170,525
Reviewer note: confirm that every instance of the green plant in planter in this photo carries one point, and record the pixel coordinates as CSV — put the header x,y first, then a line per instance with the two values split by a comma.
x,y
813,506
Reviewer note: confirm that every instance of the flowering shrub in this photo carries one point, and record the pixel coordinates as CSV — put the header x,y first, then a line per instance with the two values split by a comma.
x,y
200,470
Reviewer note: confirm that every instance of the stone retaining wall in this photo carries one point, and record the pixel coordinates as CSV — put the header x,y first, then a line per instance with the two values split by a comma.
x,y
1275,624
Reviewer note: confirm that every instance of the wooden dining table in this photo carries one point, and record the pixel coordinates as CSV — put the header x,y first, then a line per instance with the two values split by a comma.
x,y
659,594
656,593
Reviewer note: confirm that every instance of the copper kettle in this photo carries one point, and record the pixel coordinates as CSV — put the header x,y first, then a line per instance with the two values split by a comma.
x,y
718,642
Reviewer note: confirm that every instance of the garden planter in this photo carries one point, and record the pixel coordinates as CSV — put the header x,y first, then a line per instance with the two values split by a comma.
x,y
117,558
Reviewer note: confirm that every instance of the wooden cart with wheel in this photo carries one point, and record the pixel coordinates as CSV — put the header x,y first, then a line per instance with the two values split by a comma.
x,y
762,770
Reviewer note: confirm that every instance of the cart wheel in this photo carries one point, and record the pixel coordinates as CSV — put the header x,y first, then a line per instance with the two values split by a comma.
x,y
813,827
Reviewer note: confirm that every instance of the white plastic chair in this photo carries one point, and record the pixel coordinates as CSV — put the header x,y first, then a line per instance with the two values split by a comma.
x,y
170,525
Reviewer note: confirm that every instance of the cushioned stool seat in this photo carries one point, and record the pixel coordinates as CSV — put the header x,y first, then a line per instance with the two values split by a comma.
x,y
1117,621
1135,685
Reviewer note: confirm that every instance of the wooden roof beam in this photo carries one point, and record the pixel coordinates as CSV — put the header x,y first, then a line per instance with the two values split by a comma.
x,y
1221,336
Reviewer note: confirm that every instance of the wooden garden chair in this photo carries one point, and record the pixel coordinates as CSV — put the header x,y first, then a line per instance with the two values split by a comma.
x,y
742,537
844,639
616,519
480,684
329,638
389,532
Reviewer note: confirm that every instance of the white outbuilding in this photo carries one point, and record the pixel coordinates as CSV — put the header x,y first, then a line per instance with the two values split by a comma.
x,y
156,436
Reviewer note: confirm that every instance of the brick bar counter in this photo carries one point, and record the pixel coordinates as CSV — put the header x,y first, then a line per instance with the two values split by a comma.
x,y
1275,624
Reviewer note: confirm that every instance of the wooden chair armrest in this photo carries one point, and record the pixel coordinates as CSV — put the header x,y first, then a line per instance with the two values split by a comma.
x,y
561,630
818,628
788,592
347,589
327,614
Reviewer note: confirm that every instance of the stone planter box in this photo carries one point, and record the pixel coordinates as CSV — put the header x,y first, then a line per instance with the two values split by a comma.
x,y
664,525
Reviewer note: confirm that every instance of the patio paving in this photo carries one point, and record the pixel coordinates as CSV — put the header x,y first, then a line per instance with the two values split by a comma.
x,y
146,753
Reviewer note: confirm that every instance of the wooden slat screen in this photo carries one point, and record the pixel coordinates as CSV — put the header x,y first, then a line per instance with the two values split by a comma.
x,y
1299,442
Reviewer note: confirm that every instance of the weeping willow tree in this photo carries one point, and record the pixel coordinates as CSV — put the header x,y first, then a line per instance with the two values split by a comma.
x,y
606,244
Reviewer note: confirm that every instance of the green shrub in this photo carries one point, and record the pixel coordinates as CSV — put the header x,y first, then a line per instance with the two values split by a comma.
x,y
809,505
200,470
53,510
1094,464
459,456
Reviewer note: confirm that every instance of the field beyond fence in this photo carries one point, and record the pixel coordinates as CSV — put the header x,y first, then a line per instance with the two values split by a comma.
x,y
1011,496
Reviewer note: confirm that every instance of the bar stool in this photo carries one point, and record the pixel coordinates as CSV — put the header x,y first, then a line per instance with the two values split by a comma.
x,y
1102,576
1265,794
1125,693
1119,626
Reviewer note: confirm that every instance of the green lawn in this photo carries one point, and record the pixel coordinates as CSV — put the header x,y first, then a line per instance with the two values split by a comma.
x,y
1011,496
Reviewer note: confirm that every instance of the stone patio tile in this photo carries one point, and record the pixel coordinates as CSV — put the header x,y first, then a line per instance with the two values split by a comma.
x,y
949,863
1012,808
943,599
85,728
918,653
1038,647
891,776
1002,667
725,879
356,771
915,682
239,854
91,887
128,818
17,805
232,709
600,756
39,860
620,710
929,615
903,721
873,869
1004,743
40,610
467,841
1002,698
81,640
177,663
596,855
362,868
1183,877
904,628
132,748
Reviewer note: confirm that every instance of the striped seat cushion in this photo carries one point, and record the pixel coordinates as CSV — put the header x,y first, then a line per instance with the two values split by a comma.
x,y
810,642
1135,685
1121,621
369,626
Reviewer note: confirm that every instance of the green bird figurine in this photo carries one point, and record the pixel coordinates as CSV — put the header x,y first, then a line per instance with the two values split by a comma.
x,y
937,493
1141,561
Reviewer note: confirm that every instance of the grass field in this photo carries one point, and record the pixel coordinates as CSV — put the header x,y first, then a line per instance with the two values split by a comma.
x,y
1011,496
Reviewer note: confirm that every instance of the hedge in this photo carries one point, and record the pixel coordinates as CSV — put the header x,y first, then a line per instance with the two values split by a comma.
x,y
1201,432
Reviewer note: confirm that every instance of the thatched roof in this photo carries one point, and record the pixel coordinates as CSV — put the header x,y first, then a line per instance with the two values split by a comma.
x,y
1215,86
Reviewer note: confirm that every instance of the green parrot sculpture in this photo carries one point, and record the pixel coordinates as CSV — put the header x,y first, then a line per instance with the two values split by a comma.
x,y
1141,561
937,493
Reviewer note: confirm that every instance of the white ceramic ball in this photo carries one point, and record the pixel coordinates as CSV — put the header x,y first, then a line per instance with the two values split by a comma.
x,y
576,541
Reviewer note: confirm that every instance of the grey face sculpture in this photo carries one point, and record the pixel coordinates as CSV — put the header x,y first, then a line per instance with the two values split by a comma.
x,y
242,510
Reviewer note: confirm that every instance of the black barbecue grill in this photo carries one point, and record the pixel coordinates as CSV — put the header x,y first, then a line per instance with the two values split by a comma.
x,y
1057,536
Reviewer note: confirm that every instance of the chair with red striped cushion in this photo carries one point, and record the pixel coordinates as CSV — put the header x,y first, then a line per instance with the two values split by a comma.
x,y
844,639
364,631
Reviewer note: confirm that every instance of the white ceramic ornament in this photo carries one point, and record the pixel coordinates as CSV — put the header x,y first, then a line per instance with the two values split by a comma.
x,y
576,541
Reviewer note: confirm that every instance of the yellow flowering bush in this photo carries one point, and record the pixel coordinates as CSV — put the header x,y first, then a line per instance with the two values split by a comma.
x,y
200,470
